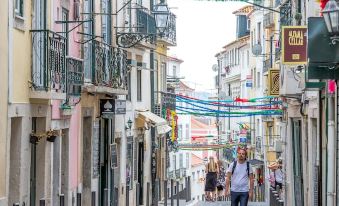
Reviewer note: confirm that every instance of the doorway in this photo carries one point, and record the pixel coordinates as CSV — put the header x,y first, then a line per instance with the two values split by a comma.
x,y
297,162
15,152
87,160
140,172
64,164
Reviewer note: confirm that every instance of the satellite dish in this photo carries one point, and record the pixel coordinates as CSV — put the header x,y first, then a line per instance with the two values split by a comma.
x,y
256,49
215,67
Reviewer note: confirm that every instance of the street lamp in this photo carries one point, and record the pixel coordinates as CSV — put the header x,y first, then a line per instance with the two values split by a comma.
x,y
331,17
161,15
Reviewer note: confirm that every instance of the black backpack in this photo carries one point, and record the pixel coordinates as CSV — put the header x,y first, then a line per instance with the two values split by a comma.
x,y
248,167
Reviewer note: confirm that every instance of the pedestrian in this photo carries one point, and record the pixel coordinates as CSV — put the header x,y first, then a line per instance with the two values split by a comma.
x,y
240,177
221,181
278,176
211,179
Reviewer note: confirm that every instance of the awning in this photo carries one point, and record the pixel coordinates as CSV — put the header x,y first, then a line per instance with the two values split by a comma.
x,y
256,162
163,129
154,119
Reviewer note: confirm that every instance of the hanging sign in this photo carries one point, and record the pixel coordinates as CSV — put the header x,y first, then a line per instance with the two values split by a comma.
x,y
109,107
273,82
294,45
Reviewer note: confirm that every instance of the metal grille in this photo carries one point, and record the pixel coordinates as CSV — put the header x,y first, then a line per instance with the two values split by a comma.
x,y
75,76
49,61
110,66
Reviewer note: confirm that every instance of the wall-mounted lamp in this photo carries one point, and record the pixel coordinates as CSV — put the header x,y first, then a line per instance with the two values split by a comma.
x,y
299,69
161,14
331,17
129,124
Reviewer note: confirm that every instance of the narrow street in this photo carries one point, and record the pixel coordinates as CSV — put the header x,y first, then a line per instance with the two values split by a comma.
x,y
140,102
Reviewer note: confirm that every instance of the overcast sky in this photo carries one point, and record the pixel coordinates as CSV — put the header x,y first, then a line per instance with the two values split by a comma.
x,y
203,28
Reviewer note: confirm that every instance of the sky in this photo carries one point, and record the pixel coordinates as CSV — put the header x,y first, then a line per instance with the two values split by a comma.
x,y
203,28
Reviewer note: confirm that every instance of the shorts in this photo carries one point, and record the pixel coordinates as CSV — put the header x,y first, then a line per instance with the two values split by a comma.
x,y
220,187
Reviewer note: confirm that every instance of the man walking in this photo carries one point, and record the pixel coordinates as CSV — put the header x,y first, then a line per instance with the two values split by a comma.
x,y
240,175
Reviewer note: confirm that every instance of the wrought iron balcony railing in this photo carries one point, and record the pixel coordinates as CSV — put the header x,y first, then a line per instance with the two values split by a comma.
x,y
110,66
170,34
145,29
75,76
266,65
268,20
49,61
286,14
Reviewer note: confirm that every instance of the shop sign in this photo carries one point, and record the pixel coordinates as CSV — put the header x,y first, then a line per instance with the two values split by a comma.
x,y
110,107
273,82
294,45
249,81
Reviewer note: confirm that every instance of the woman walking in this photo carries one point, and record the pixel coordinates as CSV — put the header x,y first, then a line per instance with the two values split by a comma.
x,y
221,182
211,179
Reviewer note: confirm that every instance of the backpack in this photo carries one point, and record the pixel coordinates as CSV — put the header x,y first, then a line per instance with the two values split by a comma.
x,y
248,167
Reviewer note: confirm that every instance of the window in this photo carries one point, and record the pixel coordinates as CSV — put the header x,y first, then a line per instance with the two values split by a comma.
x,y
139,85
163,76
181,160
259,33
174,159
105,19
187,131
156,73
179,131
187,160
174,71
193,175
65,27
258,79
19,8
248,24
129,86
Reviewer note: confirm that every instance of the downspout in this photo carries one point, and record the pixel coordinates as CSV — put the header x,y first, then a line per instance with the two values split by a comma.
x,y
318,146
153,137
331,145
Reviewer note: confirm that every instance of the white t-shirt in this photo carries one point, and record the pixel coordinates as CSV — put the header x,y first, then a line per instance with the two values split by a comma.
x,y
278,175
239,179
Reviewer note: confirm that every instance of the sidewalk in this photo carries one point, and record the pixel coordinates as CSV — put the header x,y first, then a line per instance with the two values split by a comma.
x,y
181,203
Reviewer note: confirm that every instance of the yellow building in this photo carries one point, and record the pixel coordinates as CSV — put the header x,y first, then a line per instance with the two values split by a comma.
x,y
4,98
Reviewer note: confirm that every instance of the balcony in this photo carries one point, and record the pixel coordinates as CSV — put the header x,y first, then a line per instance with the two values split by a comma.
x,y
169,37
108,70
48,65
268,20
129,35
75,79
266,65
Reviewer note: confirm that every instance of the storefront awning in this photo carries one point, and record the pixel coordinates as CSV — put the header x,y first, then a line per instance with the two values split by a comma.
x,y
152,118
163,129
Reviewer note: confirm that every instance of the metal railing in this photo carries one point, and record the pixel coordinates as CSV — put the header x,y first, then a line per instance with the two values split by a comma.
x,y
170,34
110,66
75,76
144,29
49,61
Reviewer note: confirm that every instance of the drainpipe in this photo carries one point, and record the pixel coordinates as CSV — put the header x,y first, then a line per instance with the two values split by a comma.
x,y
331,145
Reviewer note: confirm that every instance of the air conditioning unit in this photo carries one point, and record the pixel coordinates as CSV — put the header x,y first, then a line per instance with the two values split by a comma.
x,y
291,83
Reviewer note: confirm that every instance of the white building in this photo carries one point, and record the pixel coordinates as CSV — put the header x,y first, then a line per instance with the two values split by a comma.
x,y
197,178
